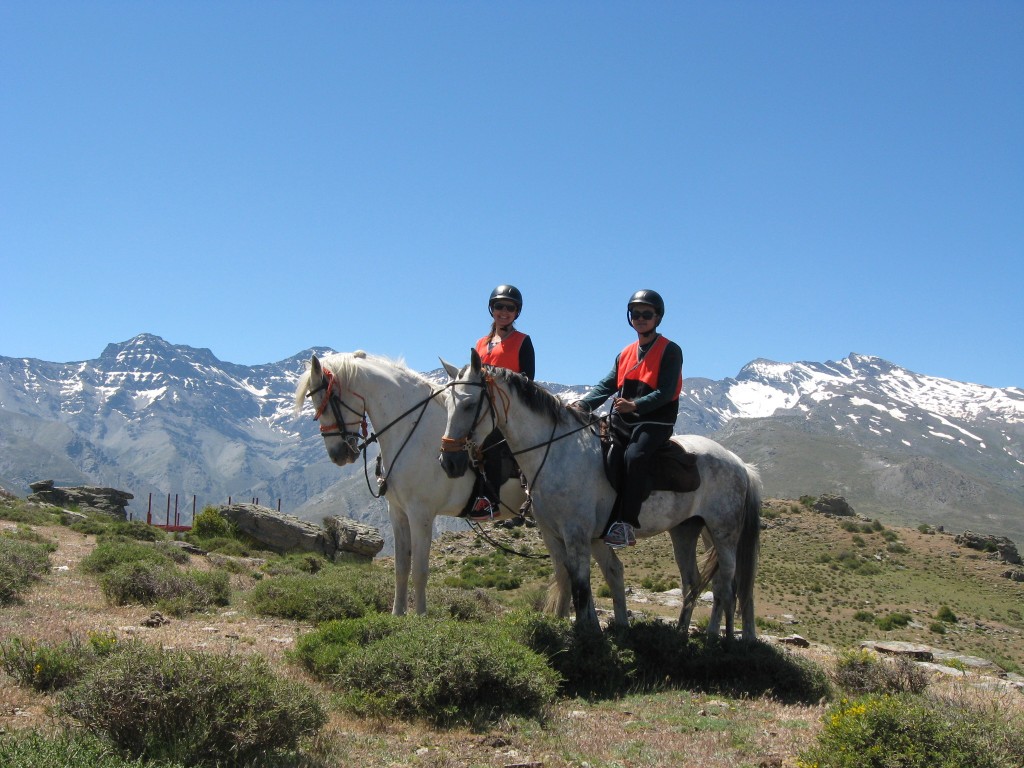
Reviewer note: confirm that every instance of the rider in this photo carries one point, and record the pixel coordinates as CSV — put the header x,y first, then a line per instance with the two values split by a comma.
x,y
504,347
645,381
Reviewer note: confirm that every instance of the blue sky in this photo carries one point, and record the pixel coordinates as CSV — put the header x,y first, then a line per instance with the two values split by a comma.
x,y
800,180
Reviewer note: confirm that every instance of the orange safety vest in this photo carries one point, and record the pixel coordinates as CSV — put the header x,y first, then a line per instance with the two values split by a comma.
x,y
505,353
646,370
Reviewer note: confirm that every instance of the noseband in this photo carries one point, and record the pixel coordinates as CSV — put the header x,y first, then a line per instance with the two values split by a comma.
x,y
340,428
458,444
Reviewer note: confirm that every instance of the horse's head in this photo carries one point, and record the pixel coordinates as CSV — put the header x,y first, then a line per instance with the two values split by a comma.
x,y
333,402
469,404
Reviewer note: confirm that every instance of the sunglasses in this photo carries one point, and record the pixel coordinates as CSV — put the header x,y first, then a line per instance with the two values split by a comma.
x,y
646,314
503,307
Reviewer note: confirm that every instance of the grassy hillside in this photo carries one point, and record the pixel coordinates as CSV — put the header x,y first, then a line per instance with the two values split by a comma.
x,y
817,579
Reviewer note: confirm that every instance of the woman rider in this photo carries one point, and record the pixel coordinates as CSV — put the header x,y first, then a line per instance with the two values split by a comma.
x,y
645,381
503,347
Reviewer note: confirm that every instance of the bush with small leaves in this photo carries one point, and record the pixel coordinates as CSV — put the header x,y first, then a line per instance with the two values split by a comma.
x,y
192,707
178,592
341,591
32,749
21,563
42,666
442,671
861,671
945,613
909,732
892,621
210,524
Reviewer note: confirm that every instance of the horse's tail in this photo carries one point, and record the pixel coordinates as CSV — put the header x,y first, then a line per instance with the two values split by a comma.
x,y
748,550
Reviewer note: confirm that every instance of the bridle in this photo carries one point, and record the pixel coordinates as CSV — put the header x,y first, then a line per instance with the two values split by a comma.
x,y
340,427
357,441
491,393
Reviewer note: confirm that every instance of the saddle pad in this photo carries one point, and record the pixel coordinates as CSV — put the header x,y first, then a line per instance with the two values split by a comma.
x,y
675,469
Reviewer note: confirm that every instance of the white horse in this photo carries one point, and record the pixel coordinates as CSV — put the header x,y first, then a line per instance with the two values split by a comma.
x,y
408,418
563,463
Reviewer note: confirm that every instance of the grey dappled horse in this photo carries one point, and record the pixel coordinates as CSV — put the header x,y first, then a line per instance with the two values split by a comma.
x,y
562,461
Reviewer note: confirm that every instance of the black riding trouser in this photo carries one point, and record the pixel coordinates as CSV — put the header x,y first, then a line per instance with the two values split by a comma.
x,y
635,456
498,465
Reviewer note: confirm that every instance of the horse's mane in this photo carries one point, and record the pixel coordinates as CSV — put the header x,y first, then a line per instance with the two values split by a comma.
x,y
535,397
348,366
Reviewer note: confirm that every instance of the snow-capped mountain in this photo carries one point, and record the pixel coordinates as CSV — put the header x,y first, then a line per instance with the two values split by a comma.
x,y
151,417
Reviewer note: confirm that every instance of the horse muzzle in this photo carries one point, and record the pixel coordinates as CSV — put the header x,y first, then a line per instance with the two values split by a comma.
x,y
454,463
342,452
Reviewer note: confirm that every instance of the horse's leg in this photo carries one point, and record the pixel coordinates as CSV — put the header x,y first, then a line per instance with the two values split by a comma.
x,y
420,527
403,557
611,568
684,545
723,586
578,565
558,603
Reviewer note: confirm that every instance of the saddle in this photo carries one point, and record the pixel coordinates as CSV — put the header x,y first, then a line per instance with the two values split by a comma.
x,y
673,469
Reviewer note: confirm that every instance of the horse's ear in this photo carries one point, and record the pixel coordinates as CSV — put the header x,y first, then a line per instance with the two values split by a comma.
x,y
453,372
314,367
474,361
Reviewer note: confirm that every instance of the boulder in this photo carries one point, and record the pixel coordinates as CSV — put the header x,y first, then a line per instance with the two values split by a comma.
x,y
1000,546
357,538
278,532
829,504
88,498
286,533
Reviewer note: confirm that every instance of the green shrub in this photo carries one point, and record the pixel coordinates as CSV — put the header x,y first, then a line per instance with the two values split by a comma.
x,y
192,707
175,591
908,732
21,563
865,616
897,548
210,524
937,627
114,552
45,667
861,671
32,749
442,671
19,512
945,613
892,621
340,591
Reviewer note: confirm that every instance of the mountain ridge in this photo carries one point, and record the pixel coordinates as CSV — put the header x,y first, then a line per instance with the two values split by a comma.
x,y
149,416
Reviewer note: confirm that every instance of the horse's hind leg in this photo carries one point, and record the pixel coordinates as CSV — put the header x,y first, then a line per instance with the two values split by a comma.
x,y
724,589
611,569
684,545
560,592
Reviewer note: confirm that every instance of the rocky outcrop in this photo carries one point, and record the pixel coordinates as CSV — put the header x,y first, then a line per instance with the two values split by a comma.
x,y
828,504
357,538
88,498
286,533
1000,546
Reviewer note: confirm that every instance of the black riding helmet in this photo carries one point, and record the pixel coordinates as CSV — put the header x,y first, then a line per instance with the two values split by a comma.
x,y
508,292
649,297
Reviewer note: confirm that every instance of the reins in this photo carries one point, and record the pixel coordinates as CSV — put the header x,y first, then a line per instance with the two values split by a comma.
x,y
489,388
334,399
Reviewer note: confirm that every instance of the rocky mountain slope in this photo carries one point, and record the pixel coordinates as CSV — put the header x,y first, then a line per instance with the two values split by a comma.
x,y
151,417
